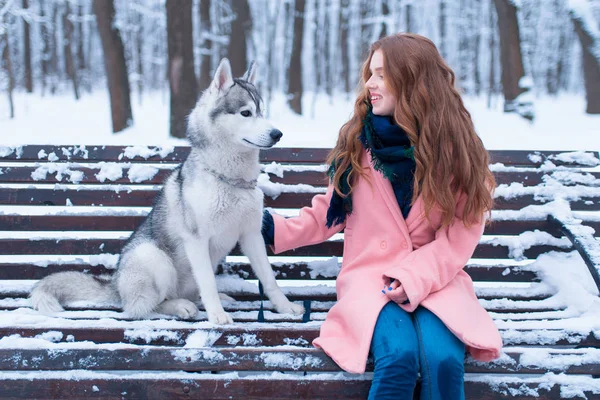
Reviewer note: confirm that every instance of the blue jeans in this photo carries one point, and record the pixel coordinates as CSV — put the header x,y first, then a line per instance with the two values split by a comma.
x,y
406,344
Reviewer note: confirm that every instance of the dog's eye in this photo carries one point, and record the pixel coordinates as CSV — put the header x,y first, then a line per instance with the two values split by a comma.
x,y
246,113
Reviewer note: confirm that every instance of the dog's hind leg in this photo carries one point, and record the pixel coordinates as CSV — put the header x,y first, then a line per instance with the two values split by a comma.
x,y
181,308
146,278
253,246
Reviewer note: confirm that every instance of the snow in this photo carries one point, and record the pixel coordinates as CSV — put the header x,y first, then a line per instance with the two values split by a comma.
x,y
109,171
549,131
139,173
60,169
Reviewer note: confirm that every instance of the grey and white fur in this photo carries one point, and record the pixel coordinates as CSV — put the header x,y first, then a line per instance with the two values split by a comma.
x,y
206,206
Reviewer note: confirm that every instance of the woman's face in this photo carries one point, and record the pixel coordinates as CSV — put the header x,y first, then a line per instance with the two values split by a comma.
x,y
382,100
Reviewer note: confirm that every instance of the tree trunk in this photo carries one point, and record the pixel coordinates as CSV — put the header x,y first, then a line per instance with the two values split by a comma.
x,y
45,63
241,29
139,58
591,64
81,67
27,51
344,21
182,79
68,49
510,52
54,77
295,71
114,64
385,12
7,65
205,46
492,73
409,19
443,28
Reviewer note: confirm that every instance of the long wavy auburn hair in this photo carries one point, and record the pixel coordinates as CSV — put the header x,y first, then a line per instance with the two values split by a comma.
x,y
449,155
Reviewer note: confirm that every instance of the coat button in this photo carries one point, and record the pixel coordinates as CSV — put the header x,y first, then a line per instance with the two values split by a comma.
x,y
383,244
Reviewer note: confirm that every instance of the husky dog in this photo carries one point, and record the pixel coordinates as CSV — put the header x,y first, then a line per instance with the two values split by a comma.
x,y
207,205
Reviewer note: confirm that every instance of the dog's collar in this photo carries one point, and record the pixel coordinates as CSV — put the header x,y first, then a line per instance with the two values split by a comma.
x,y
237,183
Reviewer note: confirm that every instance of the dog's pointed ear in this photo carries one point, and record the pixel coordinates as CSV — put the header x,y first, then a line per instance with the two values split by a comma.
x,y
252,74
223,78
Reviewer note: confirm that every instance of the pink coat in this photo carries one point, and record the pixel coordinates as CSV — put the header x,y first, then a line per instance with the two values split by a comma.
x,y
379,243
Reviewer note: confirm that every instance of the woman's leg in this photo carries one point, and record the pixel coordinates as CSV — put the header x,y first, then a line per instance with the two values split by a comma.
x,y
395,350
442,357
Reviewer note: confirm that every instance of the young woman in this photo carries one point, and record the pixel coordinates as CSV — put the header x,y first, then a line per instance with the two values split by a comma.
x,y
411,187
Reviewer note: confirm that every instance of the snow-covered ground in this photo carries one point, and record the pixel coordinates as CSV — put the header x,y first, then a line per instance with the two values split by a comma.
x,y
560,124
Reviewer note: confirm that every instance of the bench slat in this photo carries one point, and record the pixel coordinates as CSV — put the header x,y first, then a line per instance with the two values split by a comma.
x,y
306,155
151,358
212,387
144,198
300,335
299,270
129,223
517,307
25,174
326,249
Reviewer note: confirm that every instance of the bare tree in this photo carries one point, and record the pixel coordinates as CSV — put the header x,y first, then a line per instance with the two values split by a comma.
x,y
511,58
68,29
590,50
114,65
295,71
27,50
7,66
206,44
182,79
343,35
241,30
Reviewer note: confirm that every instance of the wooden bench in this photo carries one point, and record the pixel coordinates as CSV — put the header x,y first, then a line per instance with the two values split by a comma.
x,y
71,208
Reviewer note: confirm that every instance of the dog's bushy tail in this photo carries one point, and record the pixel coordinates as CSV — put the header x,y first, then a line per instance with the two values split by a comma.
x,y
51,293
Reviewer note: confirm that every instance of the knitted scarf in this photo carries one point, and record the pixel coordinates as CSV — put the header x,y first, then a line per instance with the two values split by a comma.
x,y
392,155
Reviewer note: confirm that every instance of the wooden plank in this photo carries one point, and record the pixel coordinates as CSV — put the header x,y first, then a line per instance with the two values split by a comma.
x,y
115,153
150,358
24,175
278,154
144,198
522,158
254,305
300,335
296,293
69,222
129,223
250,388
298,270
326,249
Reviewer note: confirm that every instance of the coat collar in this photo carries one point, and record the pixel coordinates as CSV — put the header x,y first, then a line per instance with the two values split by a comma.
x,y
387,193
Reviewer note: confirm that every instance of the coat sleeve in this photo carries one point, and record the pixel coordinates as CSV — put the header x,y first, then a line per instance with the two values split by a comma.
x,y
307,228
432,266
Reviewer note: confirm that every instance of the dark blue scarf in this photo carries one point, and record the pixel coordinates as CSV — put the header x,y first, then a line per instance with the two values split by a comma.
x,y
392,155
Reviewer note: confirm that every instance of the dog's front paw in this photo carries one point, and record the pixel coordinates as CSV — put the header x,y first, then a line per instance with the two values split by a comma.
x,y
219,318
289,308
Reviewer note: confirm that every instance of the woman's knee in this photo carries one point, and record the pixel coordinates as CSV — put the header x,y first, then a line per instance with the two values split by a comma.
x,y
404,361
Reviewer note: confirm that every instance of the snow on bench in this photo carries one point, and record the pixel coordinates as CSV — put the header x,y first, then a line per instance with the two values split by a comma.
x,y
71,208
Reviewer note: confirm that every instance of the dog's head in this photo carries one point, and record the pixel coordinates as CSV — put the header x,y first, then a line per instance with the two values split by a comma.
x,y
230,111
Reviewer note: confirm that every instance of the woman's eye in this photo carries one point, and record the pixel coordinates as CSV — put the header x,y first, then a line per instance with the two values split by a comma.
x,y
246,113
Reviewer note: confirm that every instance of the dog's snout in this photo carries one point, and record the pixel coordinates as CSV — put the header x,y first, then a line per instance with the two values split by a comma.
x,y
275,134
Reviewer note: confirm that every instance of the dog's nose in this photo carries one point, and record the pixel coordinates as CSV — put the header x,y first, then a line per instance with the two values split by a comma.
x,y
275,134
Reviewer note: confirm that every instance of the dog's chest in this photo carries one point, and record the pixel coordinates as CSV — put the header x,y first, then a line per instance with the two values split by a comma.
x,y
219,204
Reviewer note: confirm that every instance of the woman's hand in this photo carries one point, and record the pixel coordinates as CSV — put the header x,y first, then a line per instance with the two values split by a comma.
x,y
395,292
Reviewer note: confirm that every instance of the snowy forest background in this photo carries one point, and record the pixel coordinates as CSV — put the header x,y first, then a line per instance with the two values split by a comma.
x,y
513,51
